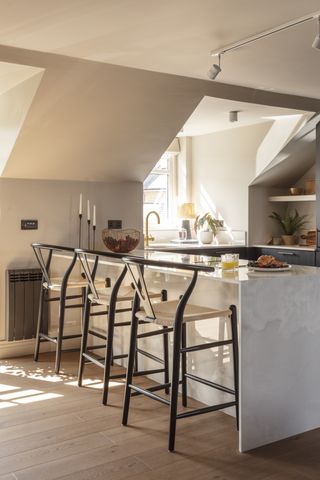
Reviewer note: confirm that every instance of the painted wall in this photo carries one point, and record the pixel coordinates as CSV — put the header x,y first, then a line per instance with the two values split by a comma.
x,y
223,165
55,204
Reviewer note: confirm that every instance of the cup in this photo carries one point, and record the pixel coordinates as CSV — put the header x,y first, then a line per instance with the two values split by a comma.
x,y
182,234
230,261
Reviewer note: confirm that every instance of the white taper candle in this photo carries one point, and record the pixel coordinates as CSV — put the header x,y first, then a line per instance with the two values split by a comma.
x,y
94,221
88,211
80,205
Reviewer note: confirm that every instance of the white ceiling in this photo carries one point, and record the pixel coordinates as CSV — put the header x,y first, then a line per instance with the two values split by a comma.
x,y
212,115
174,36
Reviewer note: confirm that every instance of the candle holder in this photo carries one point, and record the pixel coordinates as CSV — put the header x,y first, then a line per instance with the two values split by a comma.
x,y
88,221
93,237
80,223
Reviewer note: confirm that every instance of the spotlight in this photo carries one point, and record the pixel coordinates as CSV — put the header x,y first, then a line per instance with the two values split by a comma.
x,y
233,116
214,70
316,41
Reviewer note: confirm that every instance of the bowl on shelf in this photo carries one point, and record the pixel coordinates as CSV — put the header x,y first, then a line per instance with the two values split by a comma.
x,y
121,241
296,191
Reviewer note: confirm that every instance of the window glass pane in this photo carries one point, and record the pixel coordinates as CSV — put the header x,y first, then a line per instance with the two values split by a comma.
x,y
156,189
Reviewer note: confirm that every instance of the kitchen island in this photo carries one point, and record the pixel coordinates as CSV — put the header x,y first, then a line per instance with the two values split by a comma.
x,y
279,339
279,336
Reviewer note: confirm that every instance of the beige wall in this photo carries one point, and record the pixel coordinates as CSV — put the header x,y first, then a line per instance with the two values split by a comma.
x,y
223,165
55,204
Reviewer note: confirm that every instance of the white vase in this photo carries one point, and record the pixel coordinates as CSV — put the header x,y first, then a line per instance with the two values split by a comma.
x,y
206,237
223,236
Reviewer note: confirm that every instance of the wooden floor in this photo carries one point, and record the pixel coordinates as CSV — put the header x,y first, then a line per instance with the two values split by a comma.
x,y
51,429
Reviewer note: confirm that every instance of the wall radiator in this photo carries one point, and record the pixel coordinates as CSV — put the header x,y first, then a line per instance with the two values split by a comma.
x,y
22,303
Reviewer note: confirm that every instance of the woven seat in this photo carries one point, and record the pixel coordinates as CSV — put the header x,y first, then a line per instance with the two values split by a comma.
x,y
125,294
73,283
165,313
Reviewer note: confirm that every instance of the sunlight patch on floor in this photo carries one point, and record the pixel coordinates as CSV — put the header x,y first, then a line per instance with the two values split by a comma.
x,y
37,398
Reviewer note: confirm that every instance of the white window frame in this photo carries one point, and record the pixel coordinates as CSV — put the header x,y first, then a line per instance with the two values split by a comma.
x,y
172,173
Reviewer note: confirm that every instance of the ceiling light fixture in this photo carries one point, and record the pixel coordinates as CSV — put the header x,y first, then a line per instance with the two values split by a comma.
x,y
233,115
215,69
316,41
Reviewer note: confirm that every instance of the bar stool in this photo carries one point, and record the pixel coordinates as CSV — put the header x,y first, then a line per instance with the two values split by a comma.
x,y
175,313
59,285
109,297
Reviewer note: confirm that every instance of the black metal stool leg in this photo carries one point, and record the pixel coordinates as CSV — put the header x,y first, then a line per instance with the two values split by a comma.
x,y
130,368
84,340
43,294
184,365
234,330
174,383
60,330
166,359
108,353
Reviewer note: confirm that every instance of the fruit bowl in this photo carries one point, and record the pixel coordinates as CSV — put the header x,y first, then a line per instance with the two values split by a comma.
x,y
120,241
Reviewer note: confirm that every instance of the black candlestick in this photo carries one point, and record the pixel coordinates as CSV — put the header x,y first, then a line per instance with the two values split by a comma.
x,y
89,234
80,222
93,237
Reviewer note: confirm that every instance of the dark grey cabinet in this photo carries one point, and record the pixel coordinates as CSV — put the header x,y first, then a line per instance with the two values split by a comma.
x,y
292,256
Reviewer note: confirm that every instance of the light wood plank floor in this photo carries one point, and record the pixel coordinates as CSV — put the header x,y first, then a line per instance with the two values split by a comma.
x,y
51,429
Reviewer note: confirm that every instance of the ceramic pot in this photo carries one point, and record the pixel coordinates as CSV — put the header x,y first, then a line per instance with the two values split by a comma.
x,y
288,239
206,237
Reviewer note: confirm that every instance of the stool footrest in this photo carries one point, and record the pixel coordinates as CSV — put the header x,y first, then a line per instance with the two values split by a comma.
x,y
47,338
123,355
76,305
150,355
200,411
155,332
148,372
204,346
155,388
95,347
209,383
97,334
122,324
149,394
97,360
96,314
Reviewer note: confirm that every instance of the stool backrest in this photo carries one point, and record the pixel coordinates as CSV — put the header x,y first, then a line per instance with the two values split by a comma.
x,y
136,272
44,253
89,264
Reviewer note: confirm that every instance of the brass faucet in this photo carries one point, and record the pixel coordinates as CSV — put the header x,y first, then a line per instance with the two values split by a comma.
x,y
149,238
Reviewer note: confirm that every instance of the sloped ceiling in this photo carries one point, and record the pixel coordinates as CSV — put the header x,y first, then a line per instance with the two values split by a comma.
x,y
95,121
174,36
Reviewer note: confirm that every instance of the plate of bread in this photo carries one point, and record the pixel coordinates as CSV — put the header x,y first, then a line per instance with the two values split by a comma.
x,y
268,263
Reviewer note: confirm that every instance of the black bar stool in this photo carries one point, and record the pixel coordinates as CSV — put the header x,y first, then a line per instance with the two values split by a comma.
x,y
175,313
59,285
109,297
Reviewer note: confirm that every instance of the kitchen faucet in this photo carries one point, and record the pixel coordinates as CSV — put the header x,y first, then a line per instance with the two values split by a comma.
x,y
149,238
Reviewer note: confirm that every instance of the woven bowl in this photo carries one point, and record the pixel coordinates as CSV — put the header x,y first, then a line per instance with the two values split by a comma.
x,y
121,241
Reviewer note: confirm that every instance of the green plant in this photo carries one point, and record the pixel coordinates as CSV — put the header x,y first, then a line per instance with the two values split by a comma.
x,y
290,222
206,223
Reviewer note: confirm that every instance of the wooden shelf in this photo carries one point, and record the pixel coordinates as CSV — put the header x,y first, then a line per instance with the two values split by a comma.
x,y
293,198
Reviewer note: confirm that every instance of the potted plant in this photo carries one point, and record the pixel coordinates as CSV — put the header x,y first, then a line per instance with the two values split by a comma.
x,y
206,225
291,224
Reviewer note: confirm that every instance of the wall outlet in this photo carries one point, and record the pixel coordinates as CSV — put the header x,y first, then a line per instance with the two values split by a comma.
x,y
114,223
29,224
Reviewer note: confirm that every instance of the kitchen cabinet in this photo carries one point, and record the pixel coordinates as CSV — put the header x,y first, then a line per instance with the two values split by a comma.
x,y
292,256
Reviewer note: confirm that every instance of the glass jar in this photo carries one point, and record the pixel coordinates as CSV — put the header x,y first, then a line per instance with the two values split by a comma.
x,y
230,261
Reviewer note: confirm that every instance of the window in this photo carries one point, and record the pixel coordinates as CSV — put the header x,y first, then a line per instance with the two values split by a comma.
x,y
158,189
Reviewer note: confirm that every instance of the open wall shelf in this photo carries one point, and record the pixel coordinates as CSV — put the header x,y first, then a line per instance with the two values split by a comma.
x,y
293,198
